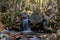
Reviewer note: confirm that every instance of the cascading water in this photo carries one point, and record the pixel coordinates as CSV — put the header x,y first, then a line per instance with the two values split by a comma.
x,y
26,25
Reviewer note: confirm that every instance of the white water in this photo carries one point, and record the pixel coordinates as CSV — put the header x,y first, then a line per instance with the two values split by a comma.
x,y
26,25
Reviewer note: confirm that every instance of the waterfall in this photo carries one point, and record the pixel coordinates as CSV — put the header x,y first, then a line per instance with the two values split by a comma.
x,y
26,25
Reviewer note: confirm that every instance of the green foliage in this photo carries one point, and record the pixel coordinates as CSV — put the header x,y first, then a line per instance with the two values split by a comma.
x,y
32,1
6,20
27,8
16,14
0,0
8,23
42,4
18,1
57,17
58,1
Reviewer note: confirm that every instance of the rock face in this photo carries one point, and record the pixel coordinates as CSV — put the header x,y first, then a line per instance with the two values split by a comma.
x,y
36,16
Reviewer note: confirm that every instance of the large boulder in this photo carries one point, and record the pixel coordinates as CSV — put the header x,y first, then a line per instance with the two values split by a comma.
x,y
36,16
